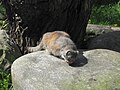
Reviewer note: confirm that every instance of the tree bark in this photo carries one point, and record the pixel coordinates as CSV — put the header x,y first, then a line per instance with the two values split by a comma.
x,y
30,19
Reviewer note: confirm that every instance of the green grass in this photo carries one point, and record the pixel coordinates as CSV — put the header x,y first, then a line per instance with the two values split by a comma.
x,y
102,15
106,15
5,77
5,80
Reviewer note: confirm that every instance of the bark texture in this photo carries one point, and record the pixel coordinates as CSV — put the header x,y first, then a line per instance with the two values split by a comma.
x,y
30,19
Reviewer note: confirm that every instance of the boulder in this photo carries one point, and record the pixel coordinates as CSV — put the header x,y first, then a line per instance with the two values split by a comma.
x,y
8,51
109,40
98,29
94,70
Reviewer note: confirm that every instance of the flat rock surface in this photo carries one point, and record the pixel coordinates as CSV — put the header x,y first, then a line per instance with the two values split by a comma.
x,y
94,70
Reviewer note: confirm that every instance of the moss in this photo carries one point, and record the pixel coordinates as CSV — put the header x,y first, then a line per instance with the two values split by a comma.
x,y
110,81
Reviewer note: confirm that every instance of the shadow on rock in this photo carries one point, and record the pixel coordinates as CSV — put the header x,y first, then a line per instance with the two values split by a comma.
x,y
80,61
109,41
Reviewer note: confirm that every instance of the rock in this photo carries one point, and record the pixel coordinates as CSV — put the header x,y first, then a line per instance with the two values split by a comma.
x,y
8,51
97,70
109,40
98,29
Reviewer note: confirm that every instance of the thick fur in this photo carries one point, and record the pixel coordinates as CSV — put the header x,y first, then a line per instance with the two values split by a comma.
x,y
57,43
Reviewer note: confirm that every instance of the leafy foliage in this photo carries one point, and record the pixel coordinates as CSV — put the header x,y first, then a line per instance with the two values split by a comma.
x,y
5,77
106,15
103,15
5,80
3,19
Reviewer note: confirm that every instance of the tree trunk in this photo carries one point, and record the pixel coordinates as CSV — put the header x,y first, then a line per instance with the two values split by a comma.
x,y
30,19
